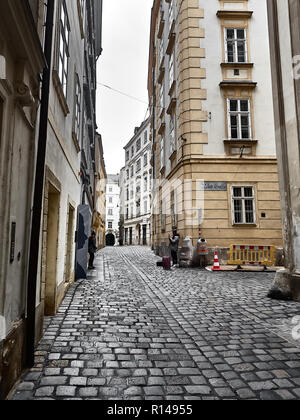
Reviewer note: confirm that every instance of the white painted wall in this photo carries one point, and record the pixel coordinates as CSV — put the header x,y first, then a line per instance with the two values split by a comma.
x,y
262,97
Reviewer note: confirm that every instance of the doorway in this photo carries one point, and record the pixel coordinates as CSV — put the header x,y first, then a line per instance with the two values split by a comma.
x,y
144,235
110,239
51,253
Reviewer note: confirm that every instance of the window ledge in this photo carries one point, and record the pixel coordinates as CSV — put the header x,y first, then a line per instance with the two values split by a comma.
x,y
238,83
172,88
173,155
235,14
76,142
245,225
60,93
238,141
235,65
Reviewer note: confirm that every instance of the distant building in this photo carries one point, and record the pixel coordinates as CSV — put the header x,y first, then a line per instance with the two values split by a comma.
x,y
136,188
112,210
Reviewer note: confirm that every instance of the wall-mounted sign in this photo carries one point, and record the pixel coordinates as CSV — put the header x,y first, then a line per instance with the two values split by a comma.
x,y
215,186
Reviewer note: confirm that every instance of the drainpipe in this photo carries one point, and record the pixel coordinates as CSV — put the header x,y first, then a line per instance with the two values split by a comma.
x,y
38,191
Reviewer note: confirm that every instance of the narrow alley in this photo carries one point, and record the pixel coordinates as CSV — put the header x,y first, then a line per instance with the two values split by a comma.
x,y
133,331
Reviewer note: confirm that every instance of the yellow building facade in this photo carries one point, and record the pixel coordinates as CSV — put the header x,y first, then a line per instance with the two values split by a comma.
x,y
214,153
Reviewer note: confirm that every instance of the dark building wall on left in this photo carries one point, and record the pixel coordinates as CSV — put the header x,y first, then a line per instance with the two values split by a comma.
x,y
23,62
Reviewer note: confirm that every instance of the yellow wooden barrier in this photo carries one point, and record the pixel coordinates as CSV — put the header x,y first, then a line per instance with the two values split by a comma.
x,y
252,255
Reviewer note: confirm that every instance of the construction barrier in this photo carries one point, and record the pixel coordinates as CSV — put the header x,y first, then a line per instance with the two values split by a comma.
x,y
252,255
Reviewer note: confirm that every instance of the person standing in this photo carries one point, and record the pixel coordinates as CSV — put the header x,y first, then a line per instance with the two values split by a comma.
x,y
92,250
174,246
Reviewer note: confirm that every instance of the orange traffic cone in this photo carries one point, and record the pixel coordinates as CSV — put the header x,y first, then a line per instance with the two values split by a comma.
x,y
216,266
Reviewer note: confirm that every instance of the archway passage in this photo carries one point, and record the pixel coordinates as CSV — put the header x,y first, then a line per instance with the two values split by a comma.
x,y
110,239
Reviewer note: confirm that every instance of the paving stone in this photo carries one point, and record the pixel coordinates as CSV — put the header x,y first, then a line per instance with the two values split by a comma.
x,y
259,386
88,392
66,391
46,391
54,381
78,381
201,390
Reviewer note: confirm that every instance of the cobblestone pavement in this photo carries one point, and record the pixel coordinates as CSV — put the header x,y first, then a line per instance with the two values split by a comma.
x,y
132,331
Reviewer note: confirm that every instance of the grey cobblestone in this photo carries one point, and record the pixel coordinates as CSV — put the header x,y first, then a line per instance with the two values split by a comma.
x,y
135,331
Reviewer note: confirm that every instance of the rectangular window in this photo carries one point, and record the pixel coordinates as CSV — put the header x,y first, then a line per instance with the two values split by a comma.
x,y
145,184
127,155
162,153
127,174
145,159
110,200
110,225
173,210
172,134
161,51
236,45
63,47
162,97
243,205
132,171
239,119
171,13
138,145
145,137
110,212
171,71
162,217
77,108
138,166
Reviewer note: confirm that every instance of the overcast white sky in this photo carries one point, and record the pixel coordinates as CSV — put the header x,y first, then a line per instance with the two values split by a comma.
x,y
123,66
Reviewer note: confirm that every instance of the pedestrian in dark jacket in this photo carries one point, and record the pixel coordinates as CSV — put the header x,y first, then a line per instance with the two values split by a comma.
x,y
174,246
92,250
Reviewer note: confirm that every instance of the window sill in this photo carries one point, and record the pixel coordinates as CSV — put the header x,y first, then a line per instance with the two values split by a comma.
x,y
245,225
76,142
172,88
235,14
60,93
173,156
238,83
235,65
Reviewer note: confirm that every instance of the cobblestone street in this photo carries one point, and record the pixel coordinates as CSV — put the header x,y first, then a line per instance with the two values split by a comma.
x,y
133,331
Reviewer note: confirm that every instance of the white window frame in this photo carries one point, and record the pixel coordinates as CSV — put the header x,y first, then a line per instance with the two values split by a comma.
x,y
171,70
63,53
172,134
239,114
171,13
235,41
243,199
